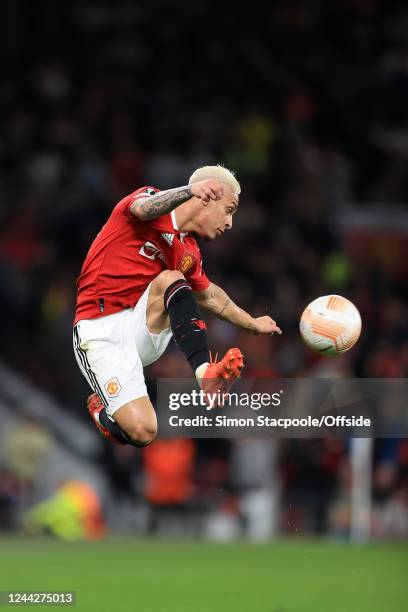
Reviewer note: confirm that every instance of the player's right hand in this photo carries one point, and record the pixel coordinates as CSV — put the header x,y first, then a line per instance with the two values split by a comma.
x,y
207,190
265,325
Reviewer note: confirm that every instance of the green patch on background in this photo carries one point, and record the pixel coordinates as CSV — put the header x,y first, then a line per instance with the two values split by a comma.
x,y
178,576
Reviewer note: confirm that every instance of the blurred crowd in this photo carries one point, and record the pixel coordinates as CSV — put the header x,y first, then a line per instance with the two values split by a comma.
x,y
307,101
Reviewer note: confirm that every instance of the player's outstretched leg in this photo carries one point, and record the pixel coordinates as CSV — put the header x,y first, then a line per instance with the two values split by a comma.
x,y
172,302
190,334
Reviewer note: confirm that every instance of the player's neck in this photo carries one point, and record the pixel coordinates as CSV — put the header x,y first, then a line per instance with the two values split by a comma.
x,y
186,216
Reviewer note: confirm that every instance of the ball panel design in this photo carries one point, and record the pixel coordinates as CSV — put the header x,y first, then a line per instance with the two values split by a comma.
x,y
330,324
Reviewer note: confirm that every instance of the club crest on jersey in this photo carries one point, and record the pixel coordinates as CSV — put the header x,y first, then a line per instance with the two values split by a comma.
x,y
186,262
168,238
113,387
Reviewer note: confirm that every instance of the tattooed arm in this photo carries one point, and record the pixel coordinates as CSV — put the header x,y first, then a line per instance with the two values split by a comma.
x,y
165,201
215,300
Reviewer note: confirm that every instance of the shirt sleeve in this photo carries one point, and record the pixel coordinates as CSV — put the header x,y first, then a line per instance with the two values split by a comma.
x,y
144,193
196,277
123,207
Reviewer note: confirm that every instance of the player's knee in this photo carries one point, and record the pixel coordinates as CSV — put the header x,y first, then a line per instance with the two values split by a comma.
x,y
167,278
142,431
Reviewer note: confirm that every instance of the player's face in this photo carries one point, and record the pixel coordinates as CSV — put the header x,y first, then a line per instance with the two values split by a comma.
x,y
216,218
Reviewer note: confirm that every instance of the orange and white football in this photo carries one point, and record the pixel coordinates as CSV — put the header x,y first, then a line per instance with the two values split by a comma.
x,y
330,325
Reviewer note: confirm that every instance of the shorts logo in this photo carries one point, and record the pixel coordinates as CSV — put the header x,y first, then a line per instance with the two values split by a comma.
x,y
113,387
186,262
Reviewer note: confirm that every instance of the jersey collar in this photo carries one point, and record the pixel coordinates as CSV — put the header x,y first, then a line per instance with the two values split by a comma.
x,y
175,226
173,219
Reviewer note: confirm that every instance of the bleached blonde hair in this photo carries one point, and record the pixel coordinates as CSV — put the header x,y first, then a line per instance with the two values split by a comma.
x,y
216,172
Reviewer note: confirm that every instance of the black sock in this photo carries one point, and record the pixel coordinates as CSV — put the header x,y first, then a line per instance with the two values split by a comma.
x,y
189,330
113,428
116,431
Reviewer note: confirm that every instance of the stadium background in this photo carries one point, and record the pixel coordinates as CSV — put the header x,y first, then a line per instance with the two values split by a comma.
x,y
307,101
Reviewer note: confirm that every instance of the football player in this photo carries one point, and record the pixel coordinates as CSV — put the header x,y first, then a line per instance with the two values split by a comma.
x,y
143,282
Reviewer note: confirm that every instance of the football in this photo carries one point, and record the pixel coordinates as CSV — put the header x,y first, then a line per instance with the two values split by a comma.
x,y
330,325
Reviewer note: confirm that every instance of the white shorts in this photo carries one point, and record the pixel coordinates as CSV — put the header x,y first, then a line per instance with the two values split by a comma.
x,y
112,351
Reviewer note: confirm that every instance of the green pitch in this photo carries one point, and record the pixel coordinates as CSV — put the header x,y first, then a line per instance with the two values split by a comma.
x,y
162,576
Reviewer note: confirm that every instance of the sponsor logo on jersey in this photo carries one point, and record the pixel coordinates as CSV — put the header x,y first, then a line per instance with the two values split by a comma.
x,y
186,262
113,387
150,250
168,238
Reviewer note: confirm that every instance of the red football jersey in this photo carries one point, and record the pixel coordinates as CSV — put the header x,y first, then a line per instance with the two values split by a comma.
x,y
128,254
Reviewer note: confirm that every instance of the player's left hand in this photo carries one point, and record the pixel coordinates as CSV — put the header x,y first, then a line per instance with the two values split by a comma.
x,y
265,325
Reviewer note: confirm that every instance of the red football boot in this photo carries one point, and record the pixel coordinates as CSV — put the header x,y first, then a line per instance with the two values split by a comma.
x,y
95,405
221,375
